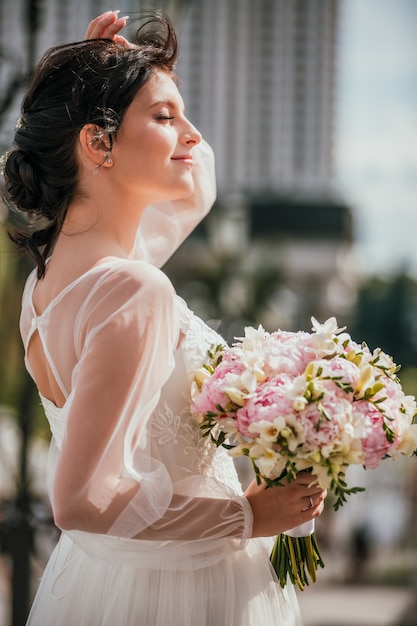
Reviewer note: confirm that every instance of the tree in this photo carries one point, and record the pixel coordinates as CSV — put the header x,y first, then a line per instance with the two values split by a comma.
x,y
385,316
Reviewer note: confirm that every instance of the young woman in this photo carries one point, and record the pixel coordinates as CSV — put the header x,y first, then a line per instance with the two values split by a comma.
x,y
155,528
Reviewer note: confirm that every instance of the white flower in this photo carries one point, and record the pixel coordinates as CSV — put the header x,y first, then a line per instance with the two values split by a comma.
x,y
201,375
245,382
408,442
324,477
299,403
253,361
195,390
410,405
269,462
236,395
366,380
323,337
240,450
268,431
253,337
328,328
250,347
355,456
228,425
294,434
249,381
384,361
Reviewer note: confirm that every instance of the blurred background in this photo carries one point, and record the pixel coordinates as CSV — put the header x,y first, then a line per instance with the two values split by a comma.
x,y
311,108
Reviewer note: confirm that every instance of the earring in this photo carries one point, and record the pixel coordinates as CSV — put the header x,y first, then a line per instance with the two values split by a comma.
x,y
110,161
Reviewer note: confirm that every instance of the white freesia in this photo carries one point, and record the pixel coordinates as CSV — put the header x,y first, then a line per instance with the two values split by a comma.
x,y
242,383
408,443
410,406
297,434
323,337
228,426
329,327
239,450
237,396
201,375
299,403
384,361
249,381
268,431
253,339
253,361
366,380
269,461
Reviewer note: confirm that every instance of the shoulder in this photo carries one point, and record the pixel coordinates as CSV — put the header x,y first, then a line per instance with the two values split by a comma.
x,y
127,295
132,274
125,276
125,284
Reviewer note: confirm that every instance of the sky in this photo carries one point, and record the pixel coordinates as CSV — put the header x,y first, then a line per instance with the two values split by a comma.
x,y
376,131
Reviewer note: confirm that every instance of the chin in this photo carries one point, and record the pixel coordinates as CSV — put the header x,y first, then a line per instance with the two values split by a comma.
x,y
184,192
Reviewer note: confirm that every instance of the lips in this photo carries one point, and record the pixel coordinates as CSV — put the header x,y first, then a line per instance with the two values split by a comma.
x,y
184,158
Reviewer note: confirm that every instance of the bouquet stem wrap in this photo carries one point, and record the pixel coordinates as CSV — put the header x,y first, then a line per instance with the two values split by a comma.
x,y
304,401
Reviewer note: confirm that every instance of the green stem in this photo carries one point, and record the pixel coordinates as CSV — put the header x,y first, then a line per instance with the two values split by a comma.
x,y
296,559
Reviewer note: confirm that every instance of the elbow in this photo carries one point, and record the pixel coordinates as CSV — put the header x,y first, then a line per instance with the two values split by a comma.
x,y
67,516
75,514
80,513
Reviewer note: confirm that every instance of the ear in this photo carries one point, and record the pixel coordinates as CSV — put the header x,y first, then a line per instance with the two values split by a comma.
x,y
95,145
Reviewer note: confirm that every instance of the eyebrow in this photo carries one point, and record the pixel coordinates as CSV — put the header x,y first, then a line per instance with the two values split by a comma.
x,y
169,103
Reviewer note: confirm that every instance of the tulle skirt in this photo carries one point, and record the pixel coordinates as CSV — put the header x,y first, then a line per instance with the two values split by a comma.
x,y
113,582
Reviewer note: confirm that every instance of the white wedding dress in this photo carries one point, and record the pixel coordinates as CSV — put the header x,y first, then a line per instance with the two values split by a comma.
x,y
161,534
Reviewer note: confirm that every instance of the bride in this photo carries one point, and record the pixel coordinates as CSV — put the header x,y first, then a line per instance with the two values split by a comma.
x,y
155,528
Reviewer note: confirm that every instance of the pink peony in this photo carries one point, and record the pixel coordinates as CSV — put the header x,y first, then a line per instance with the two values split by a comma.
x,y
270,400
212,392
375,444
320,431
288,353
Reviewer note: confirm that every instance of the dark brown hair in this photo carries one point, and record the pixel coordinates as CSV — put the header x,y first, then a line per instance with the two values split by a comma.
x,y
88,82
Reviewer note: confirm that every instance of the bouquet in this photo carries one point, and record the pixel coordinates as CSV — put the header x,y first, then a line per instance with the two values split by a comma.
x,y
293,401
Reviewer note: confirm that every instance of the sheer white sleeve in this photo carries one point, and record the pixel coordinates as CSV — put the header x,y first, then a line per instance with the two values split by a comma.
x,y
164,226
109,475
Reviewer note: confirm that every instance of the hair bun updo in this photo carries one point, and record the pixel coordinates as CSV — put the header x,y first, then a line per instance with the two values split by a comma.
x,y
22,182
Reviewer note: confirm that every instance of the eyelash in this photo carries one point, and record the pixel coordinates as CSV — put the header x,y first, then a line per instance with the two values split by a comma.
x,y
165,117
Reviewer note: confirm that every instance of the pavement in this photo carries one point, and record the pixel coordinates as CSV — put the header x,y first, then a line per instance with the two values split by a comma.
x,y
338,598
357,606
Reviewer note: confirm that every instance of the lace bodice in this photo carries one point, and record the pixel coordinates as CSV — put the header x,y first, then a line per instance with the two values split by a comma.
x,y
178,428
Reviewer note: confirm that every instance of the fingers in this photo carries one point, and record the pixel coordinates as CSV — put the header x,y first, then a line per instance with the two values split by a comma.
x,y
314,502
305,478
107,26
277,509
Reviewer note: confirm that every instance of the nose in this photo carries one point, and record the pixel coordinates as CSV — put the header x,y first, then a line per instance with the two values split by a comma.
x,y
191,136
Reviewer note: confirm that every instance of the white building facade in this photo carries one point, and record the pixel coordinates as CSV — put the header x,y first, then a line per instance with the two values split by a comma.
x,y
258,80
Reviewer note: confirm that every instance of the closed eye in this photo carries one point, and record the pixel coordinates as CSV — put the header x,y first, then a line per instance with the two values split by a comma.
x,y
165,118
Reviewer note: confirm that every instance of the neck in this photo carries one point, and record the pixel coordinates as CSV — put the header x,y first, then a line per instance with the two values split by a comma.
x,y
106,223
